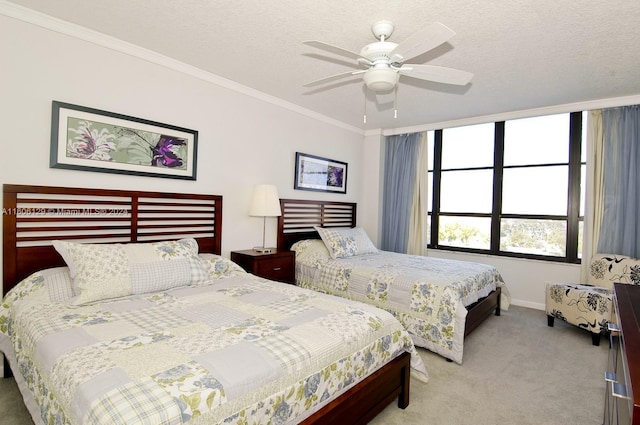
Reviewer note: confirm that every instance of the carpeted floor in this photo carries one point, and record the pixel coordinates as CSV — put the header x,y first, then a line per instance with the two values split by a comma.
x,y
12,410
516,370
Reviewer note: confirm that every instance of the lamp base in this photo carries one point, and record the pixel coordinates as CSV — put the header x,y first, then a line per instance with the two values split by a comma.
x,y
262,249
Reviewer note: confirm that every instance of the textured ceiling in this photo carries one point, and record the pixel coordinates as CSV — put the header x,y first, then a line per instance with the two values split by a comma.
x,y
524,53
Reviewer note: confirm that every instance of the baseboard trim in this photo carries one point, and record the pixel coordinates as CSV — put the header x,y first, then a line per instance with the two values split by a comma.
x,y
528,304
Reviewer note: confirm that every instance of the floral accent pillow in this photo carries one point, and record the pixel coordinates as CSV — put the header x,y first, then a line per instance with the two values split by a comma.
x,y
310,247
219,267
345,241
311,252
607,269
105,271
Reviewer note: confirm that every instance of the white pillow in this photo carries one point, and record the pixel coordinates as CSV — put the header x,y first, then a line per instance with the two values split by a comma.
x,y
345,241
104,271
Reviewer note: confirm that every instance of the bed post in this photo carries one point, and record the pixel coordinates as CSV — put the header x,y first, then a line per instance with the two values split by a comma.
x,y
405,380
8,240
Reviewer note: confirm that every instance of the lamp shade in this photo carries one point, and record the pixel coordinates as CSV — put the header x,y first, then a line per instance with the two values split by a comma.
x,y
265,201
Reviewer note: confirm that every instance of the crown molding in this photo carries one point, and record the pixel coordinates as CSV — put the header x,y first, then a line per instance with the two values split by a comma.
x,y
525,113
42,20
51,23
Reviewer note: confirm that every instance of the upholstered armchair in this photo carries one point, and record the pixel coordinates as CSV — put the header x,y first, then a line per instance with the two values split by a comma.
x,y
590,306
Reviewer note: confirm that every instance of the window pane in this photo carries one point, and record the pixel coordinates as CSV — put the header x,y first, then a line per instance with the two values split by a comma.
x,y
466,232
430,192
534,183
469,146
466,191
538,140
580,235
535,190
583,150
542,237
430,148
428,229
583,188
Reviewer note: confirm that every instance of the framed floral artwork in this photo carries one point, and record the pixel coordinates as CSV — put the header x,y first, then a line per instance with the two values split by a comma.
x,y
93,140
320,174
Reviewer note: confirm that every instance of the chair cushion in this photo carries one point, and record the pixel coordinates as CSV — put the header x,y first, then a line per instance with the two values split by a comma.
x,y
586,306
606,269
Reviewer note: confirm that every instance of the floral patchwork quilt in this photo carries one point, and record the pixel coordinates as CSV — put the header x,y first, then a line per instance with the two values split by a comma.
x,y
427,295
233,350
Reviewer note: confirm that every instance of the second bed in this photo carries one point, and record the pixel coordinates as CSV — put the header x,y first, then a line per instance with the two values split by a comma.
x,y
438,301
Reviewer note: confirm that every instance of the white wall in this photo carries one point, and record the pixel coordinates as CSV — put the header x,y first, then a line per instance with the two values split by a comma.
x,y
243,139
370,210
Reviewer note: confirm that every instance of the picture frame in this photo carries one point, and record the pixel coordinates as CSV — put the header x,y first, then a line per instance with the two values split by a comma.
x,y
89,139
320,174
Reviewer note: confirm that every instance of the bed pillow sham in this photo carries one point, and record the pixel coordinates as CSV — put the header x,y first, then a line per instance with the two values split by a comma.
x,y
310,247
105,271
219,267
58,282
345,242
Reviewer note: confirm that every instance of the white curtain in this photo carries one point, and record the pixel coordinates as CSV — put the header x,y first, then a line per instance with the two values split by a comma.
x,y
417,243
594,191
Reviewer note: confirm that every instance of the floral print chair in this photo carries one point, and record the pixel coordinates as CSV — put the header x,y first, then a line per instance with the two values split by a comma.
x,y
590,306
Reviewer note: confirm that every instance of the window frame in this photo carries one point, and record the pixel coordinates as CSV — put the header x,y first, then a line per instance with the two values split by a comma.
x,y
572,219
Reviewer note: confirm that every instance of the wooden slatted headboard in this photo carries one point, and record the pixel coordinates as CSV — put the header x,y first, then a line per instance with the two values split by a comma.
x,y
300,216
33,216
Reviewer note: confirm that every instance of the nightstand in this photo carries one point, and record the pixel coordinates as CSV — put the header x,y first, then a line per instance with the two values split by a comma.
x,y
277,265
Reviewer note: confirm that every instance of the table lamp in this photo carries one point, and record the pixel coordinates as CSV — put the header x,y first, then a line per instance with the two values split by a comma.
x,y
265,203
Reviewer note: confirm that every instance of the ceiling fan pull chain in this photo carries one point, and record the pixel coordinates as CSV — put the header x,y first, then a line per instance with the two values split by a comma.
x,y
365,104
395,102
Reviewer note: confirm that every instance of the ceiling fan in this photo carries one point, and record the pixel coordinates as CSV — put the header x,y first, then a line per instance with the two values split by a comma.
x,y
384,60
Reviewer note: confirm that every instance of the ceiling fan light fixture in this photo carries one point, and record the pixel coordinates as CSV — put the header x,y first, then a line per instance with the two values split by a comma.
x,y
382,62
381,79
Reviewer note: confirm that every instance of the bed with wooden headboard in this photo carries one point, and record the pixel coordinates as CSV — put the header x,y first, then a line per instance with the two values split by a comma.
x,y
33,216
297,222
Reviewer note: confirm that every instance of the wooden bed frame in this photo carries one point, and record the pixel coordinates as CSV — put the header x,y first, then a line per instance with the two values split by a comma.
x,y
300,216
33,216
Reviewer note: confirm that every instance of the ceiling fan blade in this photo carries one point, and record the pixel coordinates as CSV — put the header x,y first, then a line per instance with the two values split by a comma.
x,y
334,77
333,49
437,74
422,41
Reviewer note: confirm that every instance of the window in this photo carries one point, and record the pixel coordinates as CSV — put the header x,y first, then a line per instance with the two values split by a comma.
x,y
512,188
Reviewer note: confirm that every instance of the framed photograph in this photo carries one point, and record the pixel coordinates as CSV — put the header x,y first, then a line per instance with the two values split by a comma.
x,y
93,140
320,174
